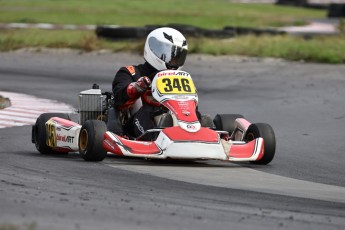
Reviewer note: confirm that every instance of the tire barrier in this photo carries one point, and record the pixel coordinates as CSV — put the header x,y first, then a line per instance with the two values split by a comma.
x,y
111,32
292,2
254,31
302,3
336,10
121,33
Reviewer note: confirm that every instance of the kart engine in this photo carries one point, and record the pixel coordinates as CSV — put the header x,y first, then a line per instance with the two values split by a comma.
x,y
91,105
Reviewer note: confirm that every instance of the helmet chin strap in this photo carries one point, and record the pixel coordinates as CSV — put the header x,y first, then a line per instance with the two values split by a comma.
x,y
171,67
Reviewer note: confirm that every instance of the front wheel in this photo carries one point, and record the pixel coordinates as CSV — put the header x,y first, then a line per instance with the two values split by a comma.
x,y
39,132
266,132
91,140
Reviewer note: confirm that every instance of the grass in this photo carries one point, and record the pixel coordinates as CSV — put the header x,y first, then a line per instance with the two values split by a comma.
x,y
7,226
202,13
319,49
83,40
287,47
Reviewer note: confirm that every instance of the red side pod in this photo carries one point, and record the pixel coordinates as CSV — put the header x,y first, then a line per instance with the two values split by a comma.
x,y
140,147
116,144
109,144
262,152
203,135
246,150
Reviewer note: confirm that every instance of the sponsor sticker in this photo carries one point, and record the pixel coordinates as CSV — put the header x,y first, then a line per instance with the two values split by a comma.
x,y
64,138
190,126
137,123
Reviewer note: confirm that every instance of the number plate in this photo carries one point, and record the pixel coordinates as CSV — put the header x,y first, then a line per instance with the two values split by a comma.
x,y
51,137
175,85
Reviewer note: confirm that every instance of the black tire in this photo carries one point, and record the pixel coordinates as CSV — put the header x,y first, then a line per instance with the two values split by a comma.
x,y
266,132
39,133
336,10
121,32
226,122
91,140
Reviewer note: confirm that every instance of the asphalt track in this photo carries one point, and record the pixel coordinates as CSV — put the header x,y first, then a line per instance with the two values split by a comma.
x,y
303,188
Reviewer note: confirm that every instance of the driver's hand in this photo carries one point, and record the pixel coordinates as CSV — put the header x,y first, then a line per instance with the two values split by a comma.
x,y
135,89
142,84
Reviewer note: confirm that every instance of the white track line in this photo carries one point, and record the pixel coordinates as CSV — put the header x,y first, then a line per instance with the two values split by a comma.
x,y
25,109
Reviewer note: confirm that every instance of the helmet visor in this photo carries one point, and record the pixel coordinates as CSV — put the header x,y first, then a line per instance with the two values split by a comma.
x,y
173,56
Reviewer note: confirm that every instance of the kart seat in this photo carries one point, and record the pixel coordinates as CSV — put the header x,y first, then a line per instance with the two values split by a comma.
x,y
165,121
206,121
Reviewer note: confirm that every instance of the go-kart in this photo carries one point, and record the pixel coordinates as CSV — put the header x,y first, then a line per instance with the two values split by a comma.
x,y
184,135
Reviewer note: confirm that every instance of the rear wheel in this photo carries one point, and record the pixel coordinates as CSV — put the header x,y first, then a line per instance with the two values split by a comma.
x,y
266,132
91,140
226,122
39,133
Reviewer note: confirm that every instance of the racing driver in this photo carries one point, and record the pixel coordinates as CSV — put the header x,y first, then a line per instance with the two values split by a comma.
x,y
165,48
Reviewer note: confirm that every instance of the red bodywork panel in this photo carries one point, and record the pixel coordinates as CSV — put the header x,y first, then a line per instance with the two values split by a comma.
x,y
203,135
184,110
113,142
245,150
121,146
110,145
67,124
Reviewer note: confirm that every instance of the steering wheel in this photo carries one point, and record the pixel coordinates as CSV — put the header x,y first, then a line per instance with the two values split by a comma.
x,y
149,99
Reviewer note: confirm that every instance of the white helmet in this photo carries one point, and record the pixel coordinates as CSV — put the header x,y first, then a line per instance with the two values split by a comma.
x,y
165,48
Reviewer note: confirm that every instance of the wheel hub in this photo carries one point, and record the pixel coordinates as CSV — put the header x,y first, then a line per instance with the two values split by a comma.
x,y
83,139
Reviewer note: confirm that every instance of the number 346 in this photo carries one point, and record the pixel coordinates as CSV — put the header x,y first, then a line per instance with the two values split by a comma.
x,y
177,84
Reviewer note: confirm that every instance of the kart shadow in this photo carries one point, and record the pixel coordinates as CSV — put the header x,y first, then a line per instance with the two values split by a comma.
x,y
54,155
131,161
122,160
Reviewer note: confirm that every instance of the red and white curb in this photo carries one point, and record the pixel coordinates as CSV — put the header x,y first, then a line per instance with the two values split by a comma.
x,y
314,27
25,109
46,26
